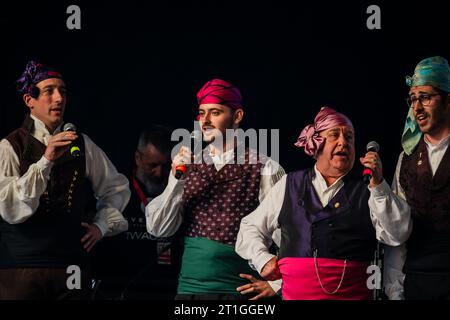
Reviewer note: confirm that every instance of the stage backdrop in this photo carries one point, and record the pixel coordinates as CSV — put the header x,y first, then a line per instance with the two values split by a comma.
x,y
136,63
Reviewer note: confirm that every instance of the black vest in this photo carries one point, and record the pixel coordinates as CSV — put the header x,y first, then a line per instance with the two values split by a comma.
x,y
51,236
429,198
341,230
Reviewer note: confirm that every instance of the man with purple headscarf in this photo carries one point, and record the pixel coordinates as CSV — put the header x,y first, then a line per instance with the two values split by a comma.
x,y
329,219
44,224
210,201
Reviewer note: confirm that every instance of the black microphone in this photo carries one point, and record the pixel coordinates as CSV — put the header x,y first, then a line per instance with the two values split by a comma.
x,y
181,169
74,150
368,172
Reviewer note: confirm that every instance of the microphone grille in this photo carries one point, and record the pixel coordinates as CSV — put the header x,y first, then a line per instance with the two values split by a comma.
x,y
69,127
373,146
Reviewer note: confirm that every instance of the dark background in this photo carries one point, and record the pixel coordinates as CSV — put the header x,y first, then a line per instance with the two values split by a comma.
x,y
137,63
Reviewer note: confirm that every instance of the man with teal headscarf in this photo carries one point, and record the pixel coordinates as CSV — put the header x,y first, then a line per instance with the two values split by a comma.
x,y
422,177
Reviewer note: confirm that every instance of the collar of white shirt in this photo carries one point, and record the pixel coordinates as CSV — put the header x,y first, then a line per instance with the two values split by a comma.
x,y
221,159
325,193
41,132
323,184
440,145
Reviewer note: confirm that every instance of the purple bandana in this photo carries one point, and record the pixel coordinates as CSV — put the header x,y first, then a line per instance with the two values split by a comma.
x,y
34,73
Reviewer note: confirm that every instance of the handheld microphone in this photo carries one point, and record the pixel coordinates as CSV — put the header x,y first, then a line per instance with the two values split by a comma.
x,y
74,150
368,172
181,169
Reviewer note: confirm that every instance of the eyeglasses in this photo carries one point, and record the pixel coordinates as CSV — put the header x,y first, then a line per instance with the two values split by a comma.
x,y
424,99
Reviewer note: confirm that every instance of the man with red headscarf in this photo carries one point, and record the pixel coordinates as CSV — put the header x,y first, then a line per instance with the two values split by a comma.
x,y
211,200
329,221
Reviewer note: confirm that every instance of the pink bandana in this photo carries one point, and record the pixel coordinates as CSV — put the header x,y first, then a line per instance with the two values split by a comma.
x,y
327,118
220,92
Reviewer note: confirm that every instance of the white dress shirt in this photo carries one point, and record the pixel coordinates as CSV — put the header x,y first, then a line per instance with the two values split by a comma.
x,y
389,215
164,214
19,195
394,257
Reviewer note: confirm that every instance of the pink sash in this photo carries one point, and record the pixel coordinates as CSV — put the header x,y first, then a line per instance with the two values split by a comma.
x,y
327,279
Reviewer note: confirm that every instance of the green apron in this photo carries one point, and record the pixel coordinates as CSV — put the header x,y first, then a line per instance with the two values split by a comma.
x,y
211,267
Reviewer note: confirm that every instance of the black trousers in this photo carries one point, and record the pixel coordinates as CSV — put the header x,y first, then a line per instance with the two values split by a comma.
x,y
41,284
427,287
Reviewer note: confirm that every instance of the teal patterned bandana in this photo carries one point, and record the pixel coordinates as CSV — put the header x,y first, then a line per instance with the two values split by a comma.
x,y
411,133
435,72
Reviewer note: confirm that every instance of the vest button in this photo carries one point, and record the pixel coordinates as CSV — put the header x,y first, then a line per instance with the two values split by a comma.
x,y
330,224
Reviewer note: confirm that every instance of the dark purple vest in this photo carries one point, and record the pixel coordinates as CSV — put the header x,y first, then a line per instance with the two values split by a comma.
x,y
429,199
51,236
341,230
216,201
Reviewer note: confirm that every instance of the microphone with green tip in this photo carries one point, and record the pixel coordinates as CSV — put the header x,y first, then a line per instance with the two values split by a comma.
x,y
74,149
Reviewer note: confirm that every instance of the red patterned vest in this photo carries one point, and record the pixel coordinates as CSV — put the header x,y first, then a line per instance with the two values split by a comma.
x,y
216,201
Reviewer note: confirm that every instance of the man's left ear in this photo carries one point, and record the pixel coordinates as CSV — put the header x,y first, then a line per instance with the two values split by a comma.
x,y
238,116
137,157
28,100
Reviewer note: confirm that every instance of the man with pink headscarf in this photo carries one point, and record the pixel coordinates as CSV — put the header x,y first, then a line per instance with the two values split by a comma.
x,y
210,201
329,220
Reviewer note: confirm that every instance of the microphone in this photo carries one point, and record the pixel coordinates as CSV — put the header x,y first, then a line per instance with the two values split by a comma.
x,y
368,172
74,150
181,169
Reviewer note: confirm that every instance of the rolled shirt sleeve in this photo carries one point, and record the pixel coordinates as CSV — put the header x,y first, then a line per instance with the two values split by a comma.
x,y
390,214
111,190
256,229
19,195
164,214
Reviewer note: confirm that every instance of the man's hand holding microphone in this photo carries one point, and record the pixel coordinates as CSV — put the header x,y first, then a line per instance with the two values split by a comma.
x,y
181,161
373,169
58,144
